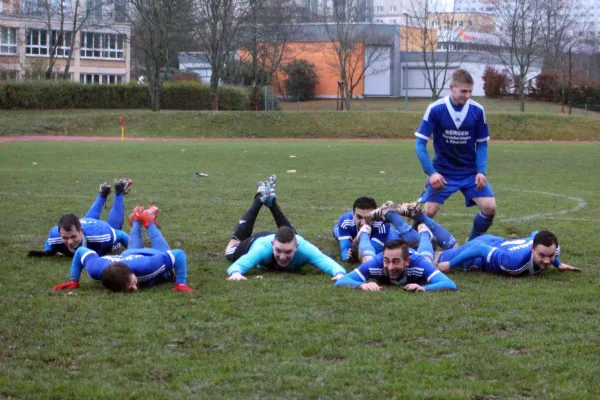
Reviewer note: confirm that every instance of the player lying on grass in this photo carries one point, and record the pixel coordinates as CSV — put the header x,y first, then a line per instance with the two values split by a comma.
x,y
283,250
497,255
102,237
138,266
361,238
401,266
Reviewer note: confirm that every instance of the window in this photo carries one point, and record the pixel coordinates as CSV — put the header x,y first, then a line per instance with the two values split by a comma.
x,y
393,8
8,41
37,43
379,21
100,79
8,75
458,23
393,21
379,9
102,45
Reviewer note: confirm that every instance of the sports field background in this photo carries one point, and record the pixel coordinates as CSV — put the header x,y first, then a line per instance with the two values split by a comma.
x,y
294,336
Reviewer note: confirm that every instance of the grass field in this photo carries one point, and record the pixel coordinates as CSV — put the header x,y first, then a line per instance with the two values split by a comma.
x,y
294,336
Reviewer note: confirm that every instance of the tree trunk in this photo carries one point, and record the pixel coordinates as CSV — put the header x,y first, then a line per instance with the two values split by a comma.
x,y
522,94
214,86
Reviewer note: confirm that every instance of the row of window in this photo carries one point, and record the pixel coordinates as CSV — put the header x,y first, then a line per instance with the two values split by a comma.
x,y
99,79
40,42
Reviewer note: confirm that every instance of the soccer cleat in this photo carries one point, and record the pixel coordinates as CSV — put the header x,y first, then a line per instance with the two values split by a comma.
x,y
408,210
423,228
123,185
272,182
136,215
150,215
260,188
105,190
379,213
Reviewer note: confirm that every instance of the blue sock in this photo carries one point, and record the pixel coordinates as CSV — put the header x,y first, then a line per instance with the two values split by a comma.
x,y
365,247
156,238
96,208
180,266
405,231
136,240
117,212
444,238
122,238
481,224
425,246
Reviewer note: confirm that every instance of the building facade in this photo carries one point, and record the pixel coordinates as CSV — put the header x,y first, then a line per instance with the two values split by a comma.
x,y
99,49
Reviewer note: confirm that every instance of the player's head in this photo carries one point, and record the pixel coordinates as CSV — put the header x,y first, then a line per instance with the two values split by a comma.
x,y
461,86
544,248
69,229
395,258
117,277
361,209
284,245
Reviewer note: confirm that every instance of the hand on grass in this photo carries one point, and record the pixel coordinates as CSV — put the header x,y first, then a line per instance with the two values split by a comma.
x,y
370,287
66,285
236,276
413,287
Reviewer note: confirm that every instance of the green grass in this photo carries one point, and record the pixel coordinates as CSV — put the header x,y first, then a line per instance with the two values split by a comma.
x,y
294,335
313,124
492,106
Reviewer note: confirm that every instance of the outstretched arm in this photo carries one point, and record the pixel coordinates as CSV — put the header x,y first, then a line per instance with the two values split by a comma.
x,y
77,266
258,254
321,261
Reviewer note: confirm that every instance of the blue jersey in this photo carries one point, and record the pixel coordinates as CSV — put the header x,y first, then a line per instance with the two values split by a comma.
x,y
97,235
455,134
261,255
497,255
419,269
146,264
346,232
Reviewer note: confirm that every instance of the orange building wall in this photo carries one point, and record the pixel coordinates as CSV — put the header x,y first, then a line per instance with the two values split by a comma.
x,y
322,55
415,38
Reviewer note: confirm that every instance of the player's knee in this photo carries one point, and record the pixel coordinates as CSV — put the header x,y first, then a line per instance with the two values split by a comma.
x,y
489,208
431,209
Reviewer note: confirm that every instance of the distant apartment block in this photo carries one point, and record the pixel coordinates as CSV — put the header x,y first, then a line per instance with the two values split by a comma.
x,y
100,50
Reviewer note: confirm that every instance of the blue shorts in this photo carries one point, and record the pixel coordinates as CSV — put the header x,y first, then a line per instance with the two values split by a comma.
x,y
465,185
478,263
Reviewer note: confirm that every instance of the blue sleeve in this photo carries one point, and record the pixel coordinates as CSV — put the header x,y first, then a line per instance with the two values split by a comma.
x,y
345,245
180,266
423,155
482,132
320,260
122,238
77,264
352,280
437,280
481,156
258,254
47,246
473,251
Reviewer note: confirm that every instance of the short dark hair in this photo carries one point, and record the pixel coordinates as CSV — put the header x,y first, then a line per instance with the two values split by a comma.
x,y
545,238
117,277
397,244
285,234
68,221
461,76
364,203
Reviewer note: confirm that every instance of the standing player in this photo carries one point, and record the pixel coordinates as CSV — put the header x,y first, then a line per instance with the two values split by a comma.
x,y
283,250
138,266
99,236
497,255
399,265
460,142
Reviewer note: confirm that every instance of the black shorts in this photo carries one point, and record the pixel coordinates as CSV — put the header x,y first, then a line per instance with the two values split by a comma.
x,y
244,246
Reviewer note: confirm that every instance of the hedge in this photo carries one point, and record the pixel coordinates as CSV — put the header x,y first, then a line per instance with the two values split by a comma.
x,y
61,95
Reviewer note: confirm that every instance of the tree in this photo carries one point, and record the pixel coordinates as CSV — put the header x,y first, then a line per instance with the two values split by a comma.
x,y
263,40
155,25
519,31
355,44
216,27
301,80
63,21
435,29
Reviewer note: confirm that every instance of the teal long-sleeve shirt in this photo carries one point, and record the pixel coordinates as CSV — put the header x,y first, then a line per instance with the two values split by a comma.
x,y
260,255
